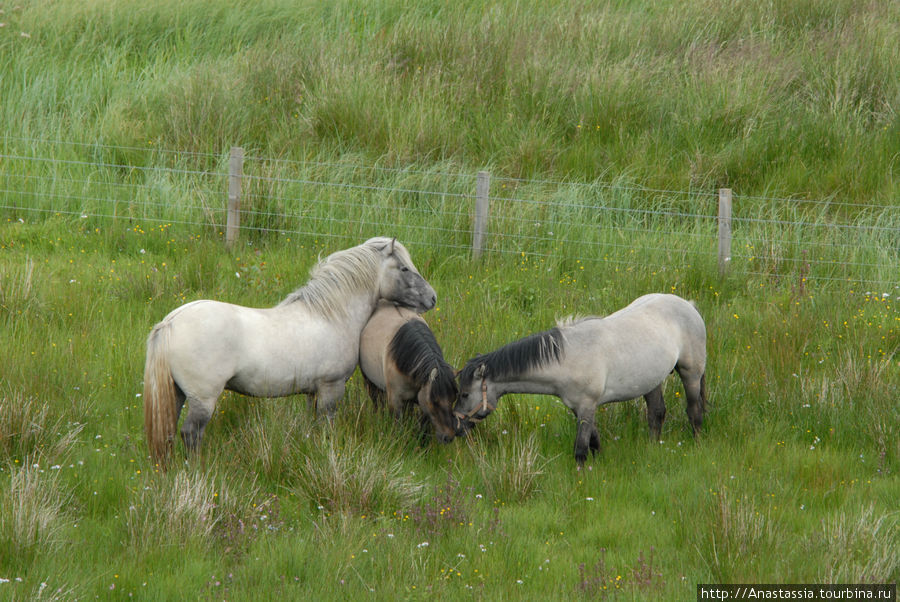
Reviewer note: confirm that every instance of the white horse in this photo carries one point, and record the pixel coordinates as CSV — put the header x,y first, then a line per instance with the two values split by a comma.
x,y
309,343
593,361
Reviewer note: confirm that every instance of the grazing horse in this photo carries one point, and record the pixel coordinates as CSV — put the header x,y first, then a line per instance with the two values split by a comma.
x,y
308,343
399,357
591,361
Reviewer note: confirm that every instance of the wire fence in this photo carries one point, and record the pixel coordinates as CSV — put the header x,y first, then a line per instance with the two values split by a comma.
x,y
619,224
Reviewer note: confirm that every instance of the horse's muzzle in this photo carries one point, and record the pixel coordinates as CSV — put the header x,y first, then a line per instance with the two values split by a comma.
x,y
419,305
464,425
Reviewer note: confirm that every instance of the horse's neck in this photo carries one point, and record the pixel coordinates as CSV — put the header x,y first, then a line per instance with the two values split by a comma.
x,y
357,309
531,383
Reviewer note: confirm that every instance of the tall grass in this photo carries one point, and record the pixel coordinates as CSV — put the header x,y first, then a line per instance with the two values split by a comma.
x,y
29,426
189,506
513,470
348,476
796,99
862,548
32,515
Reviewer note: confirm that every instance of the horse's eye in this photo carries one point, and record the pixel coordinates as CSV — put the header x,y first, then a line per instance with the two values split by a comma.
x,y
464,395
404,268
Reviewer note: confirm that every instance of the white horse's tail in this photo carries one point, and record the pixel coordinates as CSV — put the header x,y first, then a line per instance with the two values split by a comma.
x,y
160,418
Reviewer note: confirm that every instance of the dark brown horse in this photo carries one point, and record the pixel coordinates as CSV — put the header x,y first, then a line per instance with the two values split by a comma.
x,y
400,359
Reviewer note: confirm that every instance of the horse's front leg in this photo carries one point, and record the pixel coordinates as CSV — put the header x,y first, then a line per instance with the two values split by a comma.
x,y
396,389
327,395
656,412
395,402
586,436
375,394
595,441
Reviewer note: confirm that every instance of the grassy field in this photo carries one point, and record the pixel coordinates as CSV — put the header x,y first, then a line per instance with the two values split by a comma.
x,y
795,476
799,453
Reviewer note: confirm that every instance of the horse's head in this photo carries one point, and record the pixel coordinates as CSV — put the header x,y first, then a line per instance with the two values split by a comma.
x,y
399,281
436,399
477,397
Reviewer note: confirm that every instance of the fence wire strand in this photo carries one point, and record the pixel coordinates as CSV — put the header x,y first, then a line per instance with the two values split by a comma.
x,y
619,223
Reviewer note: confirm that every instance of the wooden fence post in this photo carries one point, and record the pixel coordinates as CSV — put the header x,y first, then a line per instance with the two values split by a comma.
x,y
482,209
235,174
724,230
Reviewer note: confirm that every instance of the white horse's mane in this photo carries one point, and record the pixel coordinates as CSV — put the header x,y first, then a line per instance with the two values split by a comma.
x,y
341,274
574,319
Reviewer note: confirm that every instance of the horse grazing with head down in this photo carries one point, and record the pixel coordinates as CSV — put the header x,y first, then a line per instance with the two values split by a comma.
x,y
400,358
593,361
308,343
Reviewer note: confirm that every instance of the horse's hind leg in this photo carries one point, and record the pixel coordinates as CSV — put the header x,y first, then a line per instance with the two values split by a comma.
x,y
695,394
179,402
199,413
656,412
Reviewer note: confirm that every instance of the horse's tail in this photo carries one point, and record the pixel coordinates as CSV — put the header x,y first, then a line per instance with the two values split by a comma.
x,y
160,415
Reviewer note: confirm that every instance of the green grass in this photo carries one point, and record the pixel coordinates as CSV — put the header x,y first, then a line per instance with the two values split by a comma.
x,y
792,98
124,112
799,451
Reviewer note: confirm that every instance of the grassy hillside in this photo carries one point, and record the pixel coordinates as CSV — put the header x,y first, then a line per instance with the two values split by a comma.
x,y
785,98
795,476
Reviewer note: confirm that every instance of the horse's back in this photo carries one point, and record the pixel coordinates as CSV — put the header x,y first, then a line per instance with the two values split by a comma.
x,y
666,319
630,351
266,352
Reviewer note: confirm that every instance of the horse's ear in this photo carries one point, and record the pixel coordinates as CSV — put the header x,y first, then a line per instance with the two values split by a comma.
x,y
479,371
383,246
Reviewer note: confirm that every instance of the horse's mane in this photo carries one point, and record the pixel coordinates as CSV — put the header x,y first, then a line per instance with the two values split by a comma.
x,y
519,356
416,353
574,320
340,274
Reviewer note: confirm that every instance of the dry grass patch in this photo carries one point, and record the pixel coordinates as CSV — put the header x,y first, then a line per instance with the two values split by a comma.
x,y
32,515
514,468
355,476
27,426
181,506
862,547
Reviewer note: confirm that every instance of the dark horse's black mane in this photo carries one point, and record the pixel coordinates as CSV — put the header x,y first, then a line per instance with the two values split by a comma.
x,y
530,352
416,353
